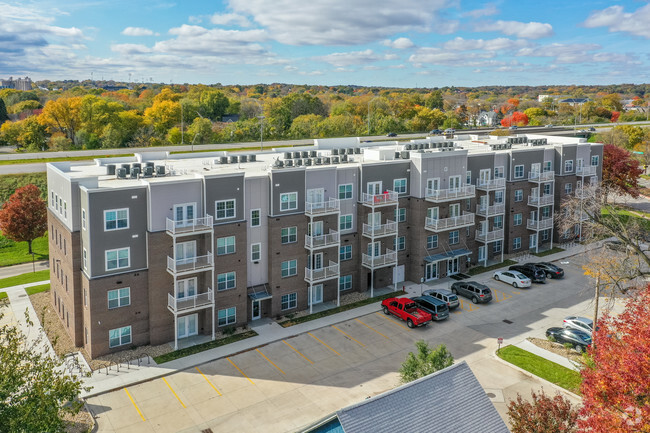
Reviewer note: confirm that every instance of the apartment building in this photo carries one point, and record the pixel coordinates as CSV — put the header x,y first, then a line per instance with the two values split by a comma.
x,y
156,248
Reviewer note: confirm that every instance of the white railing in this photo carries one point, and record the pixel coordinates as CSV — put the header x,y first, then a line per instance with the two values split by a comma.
x,y
190,302
541,224
488,185
488,211
332,205
190,264
189,226
489,236
544,176
544,200
589,170
388,259
466,191
449,223
326,273
388,229
322,241
384,199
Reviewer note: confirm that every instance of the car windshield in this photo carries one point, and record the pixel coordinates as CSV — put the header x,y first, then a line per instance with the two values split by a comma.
x,y
520,276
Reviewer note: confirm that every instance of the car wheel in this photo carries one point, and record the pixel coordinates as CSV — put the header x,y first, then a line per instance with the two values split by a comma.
x,y
549,276
454,291
410,323
496,277
475,299
514,284
579,348
386,310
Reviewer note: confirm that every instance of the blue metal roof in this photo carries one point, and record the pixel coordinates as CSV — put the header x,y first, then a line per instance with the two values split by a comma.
x,y
447,255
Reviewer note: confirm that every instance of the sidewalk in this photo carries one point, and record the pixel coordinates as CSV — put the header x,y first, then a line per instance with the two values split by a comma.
x,y
558,359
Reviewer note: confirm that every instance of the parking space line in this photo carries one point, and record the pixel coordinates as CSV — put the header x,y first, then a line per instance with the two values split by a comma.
x,y
392,321
272,363
323,343
349,336
372,329
242,373
297,351
516,293
135,405
174,392
468,306
504,295
208,380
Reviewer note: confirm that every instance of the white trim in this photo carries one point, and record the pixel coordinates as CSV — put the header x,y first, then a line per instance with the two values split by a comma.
x,y
288,201
259,252
117,250
120,336
227,245
234,281
259,217
351,191
234,209
234,320
119,304
117,219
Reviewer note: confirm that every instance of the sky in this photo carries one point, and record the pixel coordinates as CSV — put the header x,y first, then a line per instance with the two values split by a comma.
x,y
388,43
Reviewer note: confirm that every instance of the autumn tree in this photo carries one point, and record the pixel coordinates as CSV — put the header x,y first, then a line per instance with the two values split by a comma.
x,y
517,118
620,172
23,217
425,361
163,114
545,414
62,115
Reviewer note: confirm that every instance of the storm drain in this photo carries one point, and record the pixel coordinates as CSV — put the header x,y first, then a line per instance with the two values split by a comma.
x,y
207,430
509,322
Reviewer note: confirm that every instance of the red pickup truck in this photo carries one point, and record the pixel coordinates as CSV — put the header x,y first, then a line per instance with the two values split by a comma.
x,y
406,309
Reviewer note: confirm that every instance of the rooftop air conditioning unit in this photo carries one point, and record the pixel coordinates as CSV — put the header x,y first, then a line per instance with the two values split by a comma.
x,y
160,170
121,173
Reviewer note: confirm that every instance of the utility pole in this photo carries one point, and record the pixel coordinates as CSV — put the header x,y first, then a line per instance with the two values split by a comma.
x,y
182,128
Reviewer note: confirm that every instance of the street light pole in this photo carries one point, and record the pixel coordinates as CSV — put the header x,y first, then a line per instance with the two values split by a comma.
x,y
261,132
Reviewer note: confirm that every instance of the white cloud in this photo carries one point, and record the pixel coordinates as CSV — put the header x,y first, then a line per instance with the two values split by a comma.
x,y
489,10
354,58
531,30
498,44
579,54
399,43
230,20
137,31
616,20
130,49
438,56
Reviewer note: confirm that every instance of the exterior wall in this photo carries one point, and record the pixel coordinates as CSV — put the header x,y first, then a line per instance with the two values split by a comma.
x,y
236,262
256,197
163,195
286,181
225,188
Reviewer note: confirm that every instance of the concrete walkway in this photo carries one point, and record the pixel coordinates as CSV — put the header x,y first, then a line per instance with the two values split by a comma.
x,y
558,359
23,268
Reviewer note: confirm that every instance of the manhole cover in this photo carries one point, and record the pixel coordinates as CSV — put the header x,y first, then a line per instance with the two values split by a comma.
x,y
22,296
491,395
509,322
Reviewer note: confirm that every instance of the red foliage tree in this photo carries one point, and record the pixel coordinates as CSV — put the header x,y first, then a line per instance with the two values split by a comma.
x,y
616,384
620,171
23,217
517,118
615,116
545,414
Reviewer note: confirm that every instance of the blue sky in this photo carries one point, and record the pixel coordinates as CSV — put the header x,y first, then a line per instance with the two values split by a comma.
x,y
395,43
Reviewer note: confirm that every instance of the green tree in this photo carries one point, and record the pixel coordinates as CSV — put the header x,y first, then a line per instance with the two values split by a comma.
x,y
434,100
295,105
22,106
425,361
200,131
162,115
3,112
305,126
213,104
32,135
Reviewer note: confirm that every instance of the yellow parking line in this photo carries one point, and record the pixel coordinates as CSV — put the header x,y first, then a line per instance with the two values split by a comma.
x,y
297,351
504,295
516,293
349,336
135,405
174,392
272,363
468,305
207,380
392,321
323,343
242,373
372,329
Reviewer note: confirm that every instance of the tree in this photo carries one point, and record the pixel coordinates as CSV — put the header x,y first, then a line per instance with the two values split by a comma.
x,y
62,115
213,104
23,217
3,112
162,115
425,362
517,118
620,172
544,415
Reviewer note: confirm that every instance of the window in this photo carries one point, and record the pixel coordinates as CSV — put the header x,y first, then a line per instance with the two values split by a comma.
x,y
226,281
568,188
65,209
432,242
256,252
345,222
255,217
399,244
85,297
498,172
117,259
547,166
225,245
289,268
498,197
468,177
519,195
227,316
345,253
289,201
119,336
289,235
345,283
119,298
224,209
52,201
83,219
498,222
568,166
517,219
399,186
496,246
545,235
453,237
516,243
399,214
547,189
56,201
519,171
594,160
116,219
546,212
345,191
289,301
85,259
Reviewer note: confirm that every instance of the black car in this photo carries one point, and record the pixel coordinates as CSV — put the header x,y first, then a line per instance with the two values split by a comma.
x,y
435,132
477,292
438,309
580,340
550,269
536,275
391,134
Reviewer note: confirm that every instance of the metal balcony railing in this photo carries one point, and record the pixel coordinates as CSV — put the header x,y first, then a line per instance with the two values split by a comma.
x,y
491,184
488,211
322,241
494,235
333,205
582,193
439,195
322,274
380,261
589,170
541,224
189,227
190,264
381,230
544,176
388,198
543,200
438,225
200,300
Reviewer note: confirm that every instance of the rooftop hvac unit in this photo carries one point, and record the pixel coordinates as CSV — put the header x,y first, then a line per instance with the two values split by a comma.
x,y
221,160
335,151
252,157
243,158
544,141
136,165
296,154
160,170
427,145
307,162
344,158
127,167
278,163
405,154
297,162
148,171
335,160
304,154
357,150
233,159
121,173
350,150
397,155
312,153
326,160
135,171
318,160
288,162
110,169
407,147
149,164
287,155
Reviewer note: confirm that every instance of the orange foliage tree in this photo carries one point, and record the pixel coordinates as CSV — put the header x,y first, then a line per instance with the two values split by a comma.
x,y
517,118
23,217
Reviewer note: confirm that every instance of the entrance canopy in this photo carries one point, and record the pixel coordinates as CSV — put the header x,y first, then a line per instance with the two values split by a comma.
x,y
259,293
447,255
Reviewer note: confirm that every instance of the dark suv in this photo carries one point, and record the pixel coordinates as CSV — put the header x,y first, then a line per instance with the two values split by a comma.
x,y
477,292
438,309
536,275
551,270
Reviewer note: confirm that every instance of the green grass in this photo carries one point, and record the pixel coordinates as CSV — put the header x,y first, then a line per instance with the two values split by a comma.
x,y
480,269
30,277
58,159
37,289
554,373
310,317
645,176
548,252
3,295
14,253
202,347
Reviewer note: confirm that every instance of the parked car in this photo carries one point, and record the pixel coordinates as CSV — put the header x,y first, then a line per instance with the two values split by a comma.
x,y
435,132
592,129
517,279
580,340
550,125
407,310
391,134
450,131
536,275
477,292
580,323
437,308
551,270
445,296
513,128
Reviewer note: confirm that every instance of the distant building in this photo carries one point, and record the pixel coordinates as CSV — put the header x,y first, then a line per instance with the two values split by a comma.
x,y
488,118
18,84
574,101
540,98
229,118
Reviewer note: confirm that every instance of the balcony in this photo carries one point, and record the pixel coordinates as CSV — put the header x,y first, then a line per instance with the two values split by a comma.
x,y
488,211
381,261
545,176
322,274
583,193
189,227
322,241
590,170
381,230
388,198
543,200
190,265
541,224
494,235
442,195
190,303
491,185
439,225
331,206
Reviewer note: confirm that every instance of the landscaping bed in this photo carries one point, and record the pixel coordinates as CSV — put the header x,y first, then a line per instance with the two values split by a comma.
x,y
556,348
548,252
242,335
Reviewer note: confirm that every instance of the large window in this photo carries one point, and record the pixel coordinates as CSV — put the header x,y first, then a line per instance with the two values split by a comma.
x,y
227,316
517,219
399,244
119,298
256,252
468,177
345,253
289,201
224,209
568,166
118,259
498,172
547,189
255,218
85,259
289,301
548,165
399,214
289,235
498,222
345,222
568,188
594,160
516,243
399,186
345,283
519,171
116,219
226,281
498,197
432,242
83,219
119,337
453,237
519,195
289,268
496,246
345,191
225,245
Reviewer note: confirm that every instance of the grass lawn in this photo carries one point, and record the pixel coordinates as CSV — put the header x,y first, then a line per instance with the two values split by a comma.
x,y
37,289
13,253
554,373
3,295
29,277
57,159
202,347
480,269
548,252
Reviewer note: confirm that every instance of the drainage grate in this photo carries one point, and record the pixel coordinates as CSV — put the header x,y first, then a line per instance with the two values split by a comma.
x,y
509,322
491,395
207,430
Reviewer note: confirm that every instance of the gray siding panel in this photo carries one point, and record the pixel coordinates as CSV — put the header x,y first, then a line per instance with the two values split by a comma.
x,y
256,197
164,195
285,181
386,174
225,188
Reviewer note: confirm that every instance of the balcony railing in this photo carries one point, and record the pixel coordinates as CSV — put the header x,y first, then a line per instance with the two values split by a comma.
x,y
488,211
322,274
333,205
543,200
381,230
381,261
589,170
440,195
438,225
201,300
189,227
322,241
544,176
583,193
491,184
541,224
494,235
388,198
190,264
